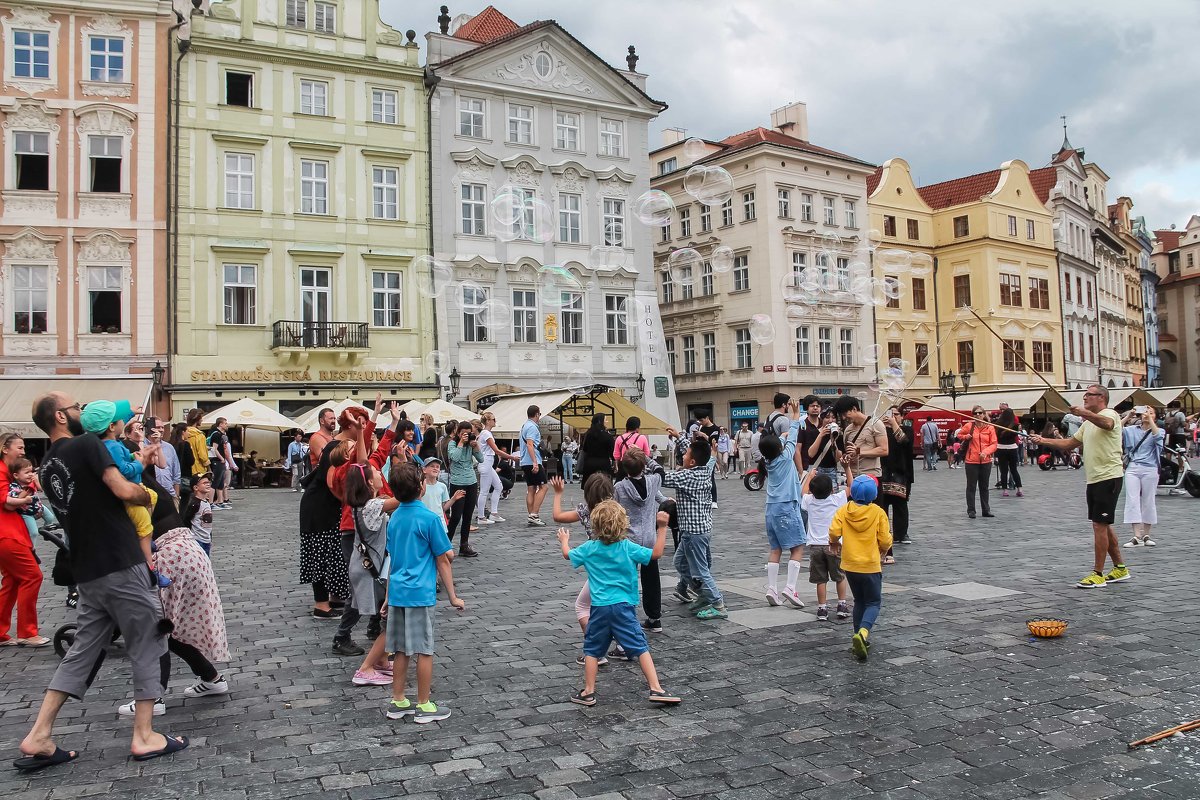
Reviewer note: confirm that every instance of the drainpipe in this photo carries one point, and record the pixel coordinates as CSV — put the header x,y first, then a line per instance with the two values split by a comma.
x,y
937,319
431,83
173,71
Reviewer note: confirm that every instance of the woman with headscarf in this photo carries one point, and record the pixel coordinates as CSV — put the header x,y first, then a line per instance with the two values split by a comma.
x,y
595,452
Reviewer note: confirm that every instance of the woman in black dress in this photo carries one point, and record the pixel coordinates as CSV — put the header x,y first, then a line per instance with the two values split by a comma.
x,y
897,477
321,560
596,450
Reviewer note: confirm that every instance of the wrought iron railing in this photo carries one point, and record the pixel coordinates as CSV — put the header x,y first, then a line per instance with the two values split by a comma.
x,y
324,335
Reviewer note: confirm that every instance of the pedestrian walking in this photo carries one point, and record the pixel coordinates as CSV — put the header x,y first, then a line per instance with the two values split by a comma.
x,y
978,441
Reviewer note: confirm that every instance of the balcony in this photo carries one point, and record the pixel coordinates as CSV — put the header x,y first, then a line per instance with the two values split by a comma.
x,y
294,334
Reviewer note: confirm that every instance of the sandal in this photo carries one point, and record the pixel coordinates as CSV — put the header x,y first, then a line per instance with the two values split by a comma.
x,y
663,698
584,699
889,560
41,760
174,745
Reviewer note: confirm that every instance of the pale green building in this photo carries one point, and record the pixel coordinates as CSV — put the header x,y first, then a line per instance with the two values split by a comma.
x,y
303,202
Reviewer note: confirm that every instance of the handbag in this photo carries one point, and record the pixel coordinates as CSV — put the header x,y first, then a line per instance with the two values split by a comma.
x,y
894,489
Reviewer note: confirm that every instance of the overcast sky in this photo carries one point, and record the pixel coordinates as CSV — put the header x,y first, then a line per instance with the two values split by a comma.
x,y
953,87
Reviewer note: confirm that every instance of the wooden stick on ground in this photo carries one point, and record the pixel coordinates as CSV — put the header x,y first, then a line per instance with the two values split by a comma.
x,y
1169,732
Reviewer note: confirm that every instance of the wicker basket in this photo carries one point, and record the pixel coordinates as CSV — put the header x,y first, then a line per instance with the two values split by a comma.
x,y
1047,628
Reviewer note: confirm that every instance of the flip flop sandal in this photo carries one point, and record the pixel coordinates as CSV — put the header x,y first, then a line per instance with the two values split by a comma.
x,y
41,760
173,745
582,699
665,699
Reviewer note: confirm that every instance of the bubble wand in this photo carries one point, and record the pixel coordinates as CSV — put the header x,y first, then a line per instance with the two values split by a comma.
x,y
1012,350
962,414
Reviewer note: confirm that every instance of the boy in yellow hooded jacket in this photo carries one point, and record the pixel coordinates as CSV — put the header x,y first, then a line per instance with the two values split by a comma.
x,y
861,530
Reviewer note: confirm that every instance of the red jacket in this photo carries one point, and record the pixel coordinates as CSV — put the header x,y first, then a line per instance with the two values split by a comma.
x,y
376,460
983,442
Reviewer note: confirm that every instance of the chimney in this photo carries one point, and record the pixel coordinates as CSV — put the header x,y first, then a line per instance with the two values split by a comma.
x,y
792,120
672,136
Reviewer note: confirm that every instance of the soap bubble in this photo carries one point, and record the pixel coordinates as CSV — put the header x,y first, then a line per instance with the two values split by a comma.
x,y
898,365
534,223
893,289
607,258
437,362
762,329
553,280
614,234
722,259
440,277
874,237
654,208
857,269
797,313
894,261
792,287
828,281
831,242
580,380
922,265
711,186
694,149
506,206
547,378
468,297
683,264
841,311
493,314
878,293
870,353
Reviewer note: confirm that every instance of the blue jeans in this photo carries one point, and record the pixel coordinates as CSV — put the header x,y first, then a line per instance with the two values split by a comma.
x,y
867,588
835,475
568,467
930,456
693,562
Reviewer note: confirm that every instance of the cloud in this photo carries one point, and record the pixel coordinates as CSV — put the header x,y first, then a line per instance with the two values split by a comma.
x,y
954,88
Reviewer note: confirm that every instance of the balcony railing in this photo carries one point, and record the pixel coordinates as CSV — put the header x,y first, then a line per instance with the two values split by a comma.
x,y
296,333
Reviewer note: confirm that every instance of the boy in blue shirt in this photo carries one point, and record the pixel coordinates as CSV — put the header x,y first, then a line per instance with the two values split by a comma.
x,y
785,528
419,554
612,562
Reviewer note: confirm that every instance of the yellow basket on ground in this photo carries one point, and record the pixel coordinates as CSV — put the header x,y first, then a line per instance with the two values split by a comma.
x,y
1047,627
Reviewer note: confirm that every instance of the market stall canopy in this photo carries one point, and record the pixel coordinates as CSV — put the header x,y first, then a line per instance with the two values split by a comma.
x,y
1021,401
1134,396
247,413
1184,394
16,405
573,409
309,422
442,412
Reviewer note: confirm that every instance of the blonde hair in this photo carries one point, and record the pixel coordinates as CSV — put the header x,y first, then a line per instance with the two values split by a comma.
x,y
609,522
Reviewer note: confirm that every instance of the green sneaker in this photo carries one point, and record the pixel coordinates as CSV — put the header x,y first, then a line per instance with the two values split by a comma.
x,y
1094,581
429,712
859,645
712,612
399,709
1118,574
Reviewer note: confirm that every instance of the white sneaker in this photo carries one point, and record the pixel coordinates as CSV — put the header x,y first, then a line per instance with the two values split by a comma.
x,y
127,710
536,521
1148,542
714,505
483,521
204,688
773,597
1135,542
497,518
792,597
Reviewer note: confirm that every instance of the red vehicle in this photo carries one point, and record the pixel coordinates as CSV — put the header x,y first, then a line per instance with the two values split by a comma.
x,y
945,421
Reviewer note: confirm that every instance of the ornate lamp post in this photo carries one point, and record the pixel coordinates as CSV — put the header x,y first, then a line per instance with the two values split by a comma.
x,y
640,383
452,392
948,383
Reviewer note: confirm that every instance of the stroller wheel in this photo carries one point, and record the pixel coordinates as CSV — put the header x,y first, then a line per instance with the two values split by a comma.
x,y
64,637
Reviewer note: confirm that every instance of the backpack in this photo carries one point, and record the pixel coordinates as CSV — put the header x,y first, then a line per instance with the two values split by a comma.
x,y
187,459
213,450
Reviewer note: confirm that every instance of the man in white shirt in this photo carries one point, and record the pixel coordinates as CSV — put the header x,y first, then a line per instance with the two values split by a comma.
x,y
929,444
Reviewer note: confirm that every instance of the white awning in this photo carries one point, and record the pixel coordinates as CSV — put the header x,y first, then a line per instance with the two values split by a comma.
x,y
511,410
1021,401
1186,395
18,394
247,413
1116,396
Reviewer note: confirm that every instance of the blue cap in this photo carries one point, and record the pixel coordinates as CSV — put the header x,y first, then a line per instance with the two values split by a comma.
x,y
864,490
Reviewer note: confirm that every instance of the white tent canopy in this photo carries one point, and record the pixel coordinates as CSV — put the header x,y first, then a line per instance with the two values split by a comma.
x,y
442,411
1184,394
308,423
510,411
1021,401
1116,396
247,413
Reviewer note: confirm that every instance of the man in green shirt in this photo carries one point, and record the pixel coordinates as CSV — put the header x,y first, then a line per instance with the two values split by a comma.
x,y
1100,438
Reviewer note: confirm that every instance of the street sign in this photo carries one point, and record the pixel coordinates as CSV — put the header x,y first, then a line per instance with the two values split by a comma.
x,y
661,387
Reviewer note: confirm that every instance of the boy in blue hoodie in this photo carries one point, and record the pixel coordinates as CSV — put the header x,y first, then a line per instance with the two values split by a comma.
x,y
785,528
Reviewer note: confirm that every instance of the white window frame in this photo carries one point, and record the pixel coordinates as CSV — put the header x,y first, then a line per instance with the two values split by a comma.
x,y
670,342
1030,230
741,273
385,194
472,198
825,346
685,222
230,289
32,48
314,186
743,352
689,355
785,203
803,346
799,261
727,213
570,218
519,129
616,320
25,299
324,17
385,106
613,213
314,97
806,207
470,117
387,301
1012,225
112,281
850,209
27,143
846,347
107,144
668,287
108,73
523,227
748,210
612,137
842,270
474,330
295,14
708,344
524,316
706,279
243,193
571,318
568,131
705,218
830,210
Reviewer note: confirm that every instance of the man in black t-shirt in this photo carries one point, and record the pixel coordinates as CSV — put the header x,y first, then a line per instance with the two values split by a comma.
x,y
116,588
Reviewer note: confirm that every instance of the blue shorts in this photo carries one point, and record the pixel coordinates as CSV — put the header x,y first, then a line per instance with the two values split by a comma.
x,y
785,529
618,621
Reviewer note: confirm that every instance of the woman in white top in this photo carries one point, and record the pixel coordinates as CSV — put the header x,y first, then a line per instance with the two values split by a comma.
x,y
489,481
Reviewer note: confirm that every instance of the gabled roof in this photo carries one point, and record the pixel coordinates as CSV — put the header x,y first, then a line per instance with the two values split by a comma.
x,y
1169,239
873,180
1043,181
757,136
960,190
486,26
1064,155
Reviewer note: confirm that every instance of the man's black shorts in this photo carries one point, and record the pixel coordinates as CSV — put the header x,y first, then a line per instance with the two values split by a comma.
x,y
1102,500
533,478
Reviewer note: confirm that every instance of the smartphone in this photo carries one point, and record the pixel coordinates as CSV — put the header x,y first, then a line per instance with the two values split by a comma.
x,y
1140,410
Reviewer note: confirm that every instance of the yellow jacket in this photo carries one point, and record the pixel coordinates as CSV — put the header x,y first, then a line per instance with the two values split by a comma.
x,y
195,439
864,533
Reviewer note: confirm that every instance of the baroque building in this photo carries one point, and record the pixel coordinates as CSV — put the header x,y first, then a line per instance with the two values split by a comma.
x,y
302,208
528,121
82,205
1120,222
1176,260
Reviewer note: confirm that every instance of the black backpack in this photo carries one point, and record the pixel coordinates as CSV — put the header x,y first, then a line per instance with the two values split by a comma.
x,y
187,459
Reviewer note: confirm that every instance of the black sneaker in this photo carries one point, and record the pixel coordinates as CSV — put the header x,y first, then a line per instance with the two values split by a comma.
x,y
346,647
683,595
332,613
652,625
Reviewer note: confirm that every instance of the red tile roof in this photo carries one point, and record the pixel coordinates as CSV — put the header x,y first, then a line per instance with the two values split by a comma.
x,y
757,136
1043,181
1062,155
873,181
486,26
1169,239
959,190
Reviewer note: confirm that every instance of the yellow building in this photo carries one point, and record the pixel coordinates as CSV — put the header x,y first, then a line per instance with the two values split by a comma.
x,y
992,248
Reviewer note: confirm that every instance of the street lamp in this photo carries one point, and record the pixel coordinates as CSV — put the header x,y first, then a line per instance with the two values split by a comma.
x,y
640,383
948,383
454,380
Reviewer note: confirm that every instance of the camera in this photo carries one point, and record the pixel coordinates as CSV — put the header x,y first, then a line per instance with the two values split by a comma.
x,y
833,428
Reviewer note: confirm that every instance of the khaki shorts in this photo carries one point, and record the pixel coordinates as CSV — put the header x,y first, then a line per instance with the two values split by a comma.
x,y
823,566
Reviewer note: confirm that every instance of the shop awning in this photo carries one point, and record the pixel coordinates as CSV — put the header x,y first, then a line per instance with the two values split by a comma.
x,y
17,396
247,413
1021,401
441,410
1184,394
573,410
1132,395
308,423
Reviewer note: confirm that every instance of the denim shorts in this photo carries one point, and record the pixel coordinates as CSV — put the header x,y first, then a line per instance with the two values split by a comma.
x,y
785,529
618,621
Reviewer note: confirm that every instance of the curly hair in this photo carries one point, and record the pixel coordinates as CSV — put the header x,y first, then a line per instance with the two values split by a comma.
x,y
353,416
610,523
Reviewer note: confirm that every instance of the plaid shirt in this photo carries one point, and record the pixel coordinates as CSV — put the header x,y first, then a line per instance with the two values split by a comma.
x,y
693,497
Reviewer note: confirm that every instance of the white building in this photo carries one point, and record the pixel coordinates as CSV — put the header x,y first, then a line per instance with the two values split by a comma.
x,y
533,109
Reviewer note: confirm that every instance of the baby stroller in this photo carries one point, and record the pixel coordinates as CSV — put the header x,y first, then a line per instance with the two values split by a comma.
x,y
64,637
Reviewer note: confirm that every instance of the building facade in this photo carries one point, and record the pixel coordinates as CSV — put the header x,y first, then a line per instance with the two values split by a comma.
x,y
82,205
1176,260
1120,222
302,209
1149,290
795,206
538,153
1114,368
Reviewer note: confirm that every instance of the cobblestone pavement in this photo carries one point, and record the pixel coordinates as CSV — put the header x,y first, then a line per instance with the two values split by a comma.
x,y
957,701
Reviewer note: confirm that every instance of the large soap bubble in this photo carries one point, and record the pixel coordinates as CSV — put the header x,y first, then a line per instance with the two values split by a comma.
x,y
762,329
709,185
654,208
